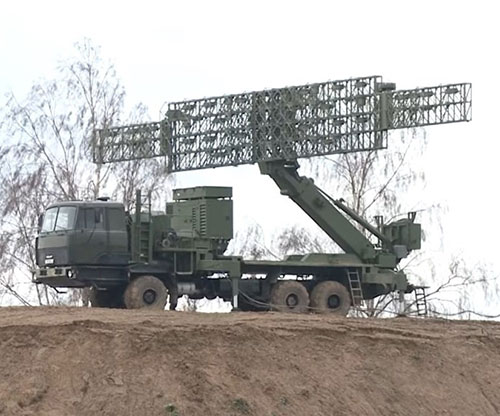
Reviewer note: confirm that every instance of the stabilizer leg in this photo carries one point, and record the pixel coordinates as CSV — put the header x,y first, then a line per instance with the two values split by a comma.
x,y
235,291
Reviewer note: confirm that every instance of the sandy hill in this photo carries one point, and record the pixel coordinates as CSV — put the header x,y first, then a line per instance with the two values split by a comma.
x,y
75,361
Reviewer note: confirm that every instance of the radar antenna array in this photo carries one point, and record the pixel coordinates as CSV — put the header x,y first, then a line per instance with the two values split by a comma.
x,y
285,123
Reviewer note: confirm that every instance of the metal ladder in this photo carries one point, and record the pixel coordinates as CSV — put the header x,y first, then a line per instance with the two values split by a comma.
x,y
355,287
143,227
421,301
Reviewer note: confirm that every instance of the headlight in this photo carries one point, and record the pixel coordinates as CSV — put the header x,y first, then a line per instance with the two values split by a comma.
x,y
70,274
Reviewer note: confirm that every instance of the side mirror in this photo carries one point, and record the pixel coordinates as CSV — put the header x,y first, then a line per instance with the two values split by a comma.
x,y
40,222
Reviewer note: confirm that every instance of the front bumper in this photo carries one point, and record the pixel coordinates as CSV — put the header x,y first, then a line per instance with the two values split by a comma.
x,y
61,276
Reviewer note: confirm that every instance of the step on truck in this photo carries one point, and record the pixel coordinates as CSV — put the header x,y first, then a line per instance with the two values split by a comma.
x,y
147,259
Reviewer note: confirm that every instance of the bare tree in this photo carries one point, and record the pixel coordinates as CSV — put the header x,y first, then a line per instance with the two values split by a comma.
x,y
48,154
250,243
464,291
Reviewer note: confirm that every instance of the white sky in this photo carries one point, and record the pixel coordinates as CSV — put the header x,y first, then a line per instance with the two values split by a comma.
x,y
171,50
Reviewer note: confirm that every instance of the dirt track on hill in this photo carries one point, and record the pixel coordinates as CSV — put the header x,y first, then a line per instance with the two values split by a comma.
x,y
76,361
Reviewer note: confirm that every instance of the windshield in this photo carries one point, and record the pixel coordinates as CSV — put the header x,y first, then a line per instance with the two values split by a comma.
x,y
59,219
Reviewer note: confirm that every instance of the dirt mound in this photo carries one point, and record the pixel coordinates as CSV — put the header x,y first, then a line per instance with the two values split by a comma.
x,y
69,361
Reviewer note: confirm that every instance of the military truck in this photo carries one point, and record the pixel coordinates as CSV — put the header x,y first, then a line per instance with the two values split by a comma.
x,y
144,258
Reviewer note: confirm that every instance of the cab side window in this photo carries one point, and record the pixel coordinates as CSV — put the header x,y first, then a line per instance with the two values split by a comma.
x,y
90,219
116,219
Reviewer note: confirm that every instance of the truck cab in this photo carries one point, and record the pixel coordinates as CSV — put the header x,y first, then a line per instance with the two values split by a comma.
x,y
78,240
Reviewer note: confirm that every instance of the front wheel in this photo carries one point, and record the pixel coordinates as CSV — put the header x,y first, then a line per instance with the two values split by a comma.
x,y
331,297
146,292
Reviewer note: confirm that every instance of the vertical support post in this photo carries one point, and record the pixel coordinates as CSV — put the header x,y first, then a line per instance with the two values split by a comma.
x,y
235,287
136,243
386,109
402,303
385,112
150,230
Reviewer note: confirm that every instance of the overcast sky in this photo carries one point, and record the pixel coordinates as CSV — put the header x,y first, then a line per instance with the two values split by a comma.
x,y
171,50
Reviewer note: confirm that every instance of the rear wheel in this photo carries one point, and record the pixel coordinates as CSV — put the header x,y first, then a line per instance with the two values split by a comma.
x,y
146,292
289,296
330,297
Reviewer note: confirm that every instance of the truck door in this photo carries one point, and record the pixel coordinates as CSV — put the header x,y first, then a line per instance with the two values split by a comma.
x,y
90,239
117,235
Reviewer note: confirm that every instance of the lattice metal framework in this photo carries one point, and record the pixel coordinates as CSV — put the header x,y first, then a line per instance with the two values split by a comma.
x,y
137,141
431,105
286,123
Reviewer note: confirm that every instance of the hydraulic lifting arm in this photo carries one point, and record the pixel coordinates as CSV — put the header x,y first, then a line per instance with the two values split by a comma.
x,y
319,208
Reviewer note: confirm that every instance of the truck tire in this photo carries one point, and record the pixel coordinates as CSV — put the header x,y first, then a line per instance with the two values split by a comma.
x,y
111,298
289,296
330,297
146,292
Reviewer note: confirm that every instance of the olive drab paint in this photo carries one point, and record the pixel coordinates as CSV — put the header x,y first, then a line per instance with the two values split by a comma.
x,y
99,245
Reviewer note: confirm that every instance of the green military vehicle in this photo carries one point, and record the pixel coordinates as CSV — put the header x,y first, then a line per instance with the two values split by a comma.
x,y
146,258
